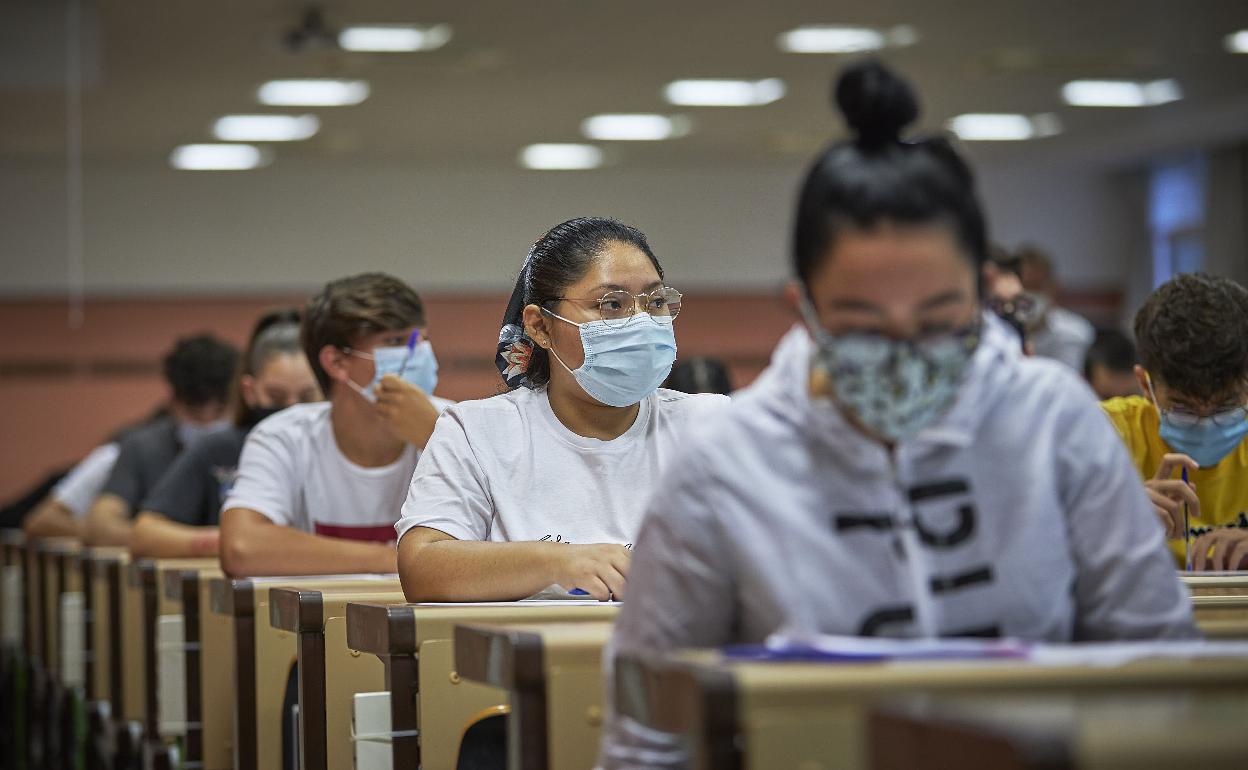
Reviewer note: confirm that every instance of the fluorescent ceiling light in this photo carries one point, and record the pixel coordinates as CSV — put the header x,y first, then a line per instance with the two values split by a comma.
x,y
394,37
634,127
217,157
1237,42
826,38
313,92
1121,93
265,128
724,93
1003,127
561,157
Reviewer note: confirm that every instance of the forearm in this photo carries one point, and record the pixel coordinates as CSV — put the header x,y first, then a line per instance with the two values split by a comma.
x,y
108,522
466,571
271,549
155,536
51,519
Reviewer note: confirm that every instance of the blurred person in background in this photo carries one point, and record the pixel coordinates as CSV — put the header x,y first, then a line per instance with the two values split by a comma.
x,y
59,506
700,374
198,372
180,516
1055,332
1004,294
1110,365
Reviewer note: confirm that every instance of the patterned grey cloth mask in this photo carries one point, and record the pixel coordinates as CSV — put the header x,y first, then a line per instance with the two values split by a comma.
x,y
894,388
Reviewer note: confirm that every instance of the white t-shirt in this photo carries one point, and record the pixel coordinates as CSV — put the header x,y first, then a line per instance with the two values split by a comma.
x,y
292,471
505,469
83,484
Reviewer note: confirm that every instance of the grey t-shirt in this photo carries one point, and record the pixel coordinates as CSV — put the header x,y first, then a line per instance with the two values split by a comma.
x,y
145,456
192,489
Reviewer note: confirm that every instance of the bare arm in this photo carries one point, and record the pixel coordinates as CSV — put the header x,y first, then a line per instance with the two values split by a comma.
x,y
155,536
108,521
436,567
51,519
253,545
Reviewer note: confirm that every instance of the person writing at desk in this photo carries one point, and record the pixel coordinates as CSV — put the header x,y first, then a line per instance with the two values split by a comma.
x,y
901,469
543,485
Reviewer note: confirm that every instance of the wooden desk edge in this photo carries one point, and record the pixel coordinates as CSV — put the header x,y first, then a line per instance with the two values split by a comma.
x,y
296,609
381,629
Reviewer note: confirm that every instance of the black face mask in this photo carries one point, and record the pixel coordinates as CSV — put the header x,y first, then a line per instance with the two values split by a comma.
x,y
259,413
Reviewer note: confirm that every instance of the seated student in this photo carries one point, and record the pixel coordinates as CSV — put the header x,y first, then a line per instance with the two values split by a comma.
x,y
540,486
700,375
1110,365
179,517
1055,332
1192,334
319,485
198,371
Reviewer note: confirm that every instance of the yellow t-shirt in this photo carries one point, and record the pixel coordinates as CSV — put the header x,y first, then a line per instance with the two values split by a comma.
x,y
1222,489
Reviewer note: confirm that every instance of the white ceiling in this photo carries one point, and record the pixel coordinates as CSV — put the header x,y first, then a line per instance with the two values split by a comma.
x,y
160,71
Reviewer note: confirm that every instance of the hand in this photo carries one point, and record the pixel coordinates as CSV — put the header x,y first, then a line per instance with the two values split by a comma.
x,y
408,410
600,570
1230,550
1169,494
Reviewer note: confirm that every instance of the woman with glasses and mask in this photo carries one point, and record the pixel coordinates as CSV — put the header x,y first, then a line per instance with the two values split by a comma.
x,y
543,486
901,469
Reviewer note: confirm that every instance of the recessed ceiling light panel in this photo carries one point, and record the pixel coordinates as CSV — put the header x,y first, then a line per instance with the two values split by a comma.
x,y
217,157
266,128
716,92
313,92
634,127
1121,93
1003,127
560,157
394,38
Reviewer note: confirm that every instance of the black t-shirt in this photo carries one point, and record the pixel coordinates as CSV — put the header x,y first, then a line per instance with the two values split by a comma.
x,y
192,489
145,455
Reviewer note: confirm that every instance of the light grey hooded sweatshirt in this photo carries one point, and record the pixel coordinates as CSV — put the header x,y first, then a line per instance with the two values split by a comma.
x,y
1018,513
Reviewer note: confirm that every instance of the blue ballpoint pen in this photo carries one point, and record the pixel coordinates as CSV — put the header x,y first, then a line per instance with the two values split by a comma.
x,y
1187,542
411,348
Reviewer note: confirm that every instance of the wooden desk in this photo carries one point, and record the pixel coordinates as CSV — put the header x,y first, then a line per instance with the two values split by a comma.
x,y
330,673
12,592
109,568
416,643
98,617
180,583
1216,584
1151,730
262,659
756,715
553,675
55,580
146,603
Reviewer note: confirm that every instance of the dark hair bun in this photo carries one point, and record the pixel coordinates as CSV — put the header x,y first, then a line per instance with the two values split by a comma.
x,y
877,104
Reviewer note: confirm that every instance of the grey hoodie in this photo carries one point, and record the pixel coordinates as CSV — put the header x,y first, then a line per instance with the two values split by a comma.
x,y
1017,514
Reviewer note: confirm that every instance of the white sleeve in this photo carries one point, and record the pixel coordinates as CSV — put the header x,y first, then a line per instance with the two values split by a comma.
x,y
681,593
82,485
268,479
448,492
1126,586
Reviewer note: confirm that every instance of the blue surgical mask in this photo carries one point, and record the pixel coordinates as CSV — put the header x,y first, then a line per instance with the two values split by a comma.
x,y
626,362
189,432
1204,439
421,369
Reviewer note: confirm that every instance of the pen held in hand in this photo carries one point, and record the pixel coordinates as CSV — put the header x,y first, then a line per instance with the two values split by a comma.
x,y
1187,529
411,348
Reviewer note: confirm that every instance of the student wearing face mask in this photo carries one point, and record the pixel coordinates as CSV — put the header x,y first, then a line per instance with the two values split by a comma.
x,y
539,487
900,469
180,515
1192,336
319,485
198,370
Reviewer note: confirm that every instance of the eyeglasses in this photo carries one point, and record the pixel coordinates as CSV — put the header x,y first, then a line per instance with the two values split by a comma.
x,y
617,307
1223,418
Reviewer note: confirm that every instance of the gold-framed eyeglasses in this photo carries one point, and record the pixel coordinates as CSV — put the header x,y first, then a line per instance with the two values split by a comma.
x,y
617,307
